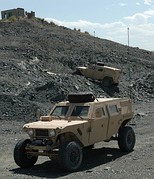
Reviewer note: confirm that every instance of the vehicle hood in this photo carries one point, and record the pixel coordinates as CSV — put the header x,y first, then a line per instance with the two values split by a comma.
x,y
53,124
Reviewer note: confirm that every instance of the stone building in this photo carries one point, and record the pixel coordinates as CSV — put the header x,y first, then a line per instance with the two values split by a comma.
x,y
19,12
30,14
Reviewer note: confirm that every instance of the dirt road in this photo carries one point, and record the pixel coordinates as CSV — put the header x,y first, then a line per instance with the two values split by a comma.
x,y
104,161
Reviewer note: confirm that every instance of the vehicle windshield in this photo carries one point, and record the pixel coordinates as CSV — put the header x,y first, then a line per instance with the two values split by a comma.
x,y
81,111
60,111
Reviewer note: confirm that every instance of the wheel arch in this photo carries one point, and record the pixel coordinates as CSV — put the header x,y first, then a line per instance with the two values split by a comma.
x,y
124,123
69,136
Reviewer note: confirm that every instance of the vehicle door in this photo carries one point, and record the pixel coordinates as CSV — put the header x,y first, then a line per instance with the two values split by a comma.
x,y
98,73
91,71
80,112
115,119
98,124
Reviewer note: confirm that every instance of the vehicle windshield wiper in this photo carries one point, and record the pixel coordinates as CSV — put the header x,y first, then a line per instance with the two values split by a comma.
x,y
81,117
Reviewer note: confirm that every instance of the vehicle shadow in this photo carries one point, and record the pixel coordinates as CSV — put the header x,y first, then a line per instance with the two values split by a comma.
x,y
110,90
91,158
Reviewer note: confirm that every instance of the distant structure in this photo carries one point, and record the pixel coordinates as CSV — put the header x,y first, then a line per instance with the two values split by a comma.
x,y
19,12
30,14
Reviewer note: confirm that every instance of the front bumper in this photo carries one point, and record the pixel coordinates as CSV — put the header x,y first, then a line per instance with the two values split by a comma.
x,y
42,148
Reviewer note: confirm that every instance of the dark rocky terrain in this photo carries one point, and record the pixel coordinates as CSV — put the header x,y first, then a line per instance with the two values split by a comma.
x,y
37,61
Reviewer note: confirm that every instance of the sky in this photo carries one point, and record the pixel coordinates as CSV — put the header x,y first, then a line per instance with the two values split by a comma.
x,y
106,19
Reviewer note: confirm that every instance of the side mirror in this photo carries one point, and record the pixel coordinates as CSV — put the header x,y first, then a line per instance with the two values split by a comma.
x,y
119,110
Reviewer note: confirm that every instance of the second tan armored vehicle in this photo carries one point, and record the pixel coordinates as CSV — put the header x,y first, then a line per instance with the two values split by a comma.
x,y
73,125
108,75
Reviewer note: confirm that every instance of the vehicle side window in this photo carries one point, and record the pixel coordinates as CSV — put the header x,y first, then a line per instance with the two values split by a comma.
x,y
99,112
113,109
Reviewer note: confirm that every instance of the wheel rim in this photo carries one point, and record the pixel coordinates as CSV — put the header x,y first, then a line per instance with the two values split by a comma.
x,y
74,157
29,156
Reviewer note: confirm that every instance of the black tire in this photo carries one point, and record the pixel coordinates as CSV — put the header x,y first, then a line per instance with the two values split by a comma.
x,y
126,139
81,97
22,159
107,81
90,147
70,156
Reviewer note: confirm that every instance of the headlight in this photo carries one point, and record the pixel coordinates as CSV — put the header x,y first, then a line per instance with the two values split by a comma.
x,y
52,133
30,132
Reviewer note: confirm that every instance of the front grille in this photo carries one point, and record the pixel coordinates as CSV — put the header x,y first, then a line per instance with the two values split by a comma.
x,y
41,133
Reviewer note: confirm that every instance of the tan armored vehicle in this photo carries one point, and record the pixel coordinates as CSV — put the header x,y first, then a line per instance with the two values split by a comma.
x,y
74,125
108,75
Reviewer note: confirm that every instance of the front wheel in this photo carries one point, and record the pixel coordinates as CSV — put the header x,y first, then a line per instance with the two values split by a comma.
x,y
22,158
126,139
70,156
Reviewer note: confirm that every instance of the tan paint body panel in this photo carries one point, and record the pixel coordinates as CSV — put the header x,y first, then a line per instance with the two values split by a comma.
x,y
99,72
104,118
53,124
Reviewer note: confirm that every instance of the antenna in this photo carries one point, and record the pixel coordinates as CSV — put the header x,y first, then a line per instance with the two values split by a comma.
x,y
130,86
128,37
93,46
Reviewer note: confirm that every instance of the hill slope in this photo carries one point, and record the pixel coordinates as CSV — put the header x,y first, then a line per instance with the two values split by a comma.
x,y
37,60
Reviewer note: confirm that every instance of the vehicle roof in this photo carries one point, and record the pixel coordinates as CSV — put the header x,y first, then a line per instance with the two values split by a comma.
x,y
111,68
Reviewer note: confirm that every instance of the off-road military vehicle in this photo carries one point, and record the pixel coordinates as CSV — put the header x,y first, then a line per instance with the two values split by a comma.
x,y
108,75
73,125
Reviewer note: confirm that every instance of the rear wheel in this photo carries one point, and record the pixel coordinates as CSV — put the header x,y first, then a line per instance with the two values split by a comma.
x,y
107,81
126,139
22,158
70,156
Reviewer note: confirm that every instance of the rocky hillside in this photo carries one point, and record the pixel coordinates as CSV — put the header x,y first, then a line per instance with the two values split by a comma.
x,y
37,61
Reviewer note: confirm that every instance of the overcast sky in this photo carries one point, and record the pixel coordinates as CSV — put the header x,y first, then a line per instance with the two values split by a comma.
x,y
109,19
